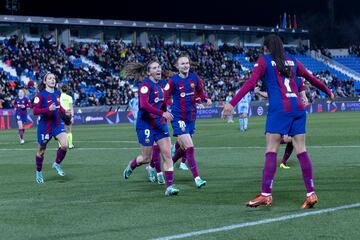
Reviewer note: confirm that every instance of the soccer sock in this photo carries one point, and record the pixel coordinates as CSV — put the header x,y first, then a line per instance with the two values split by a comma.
x,y
288,150
245,122
179,152
192,162
155,159
268,172
70,139
21,133
241,122
306,168
133,164
39,162
169,178
60,155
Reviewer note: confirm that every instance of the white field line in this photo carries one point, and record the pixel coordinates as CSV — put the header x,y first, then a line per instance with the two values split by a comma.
x,y
255,223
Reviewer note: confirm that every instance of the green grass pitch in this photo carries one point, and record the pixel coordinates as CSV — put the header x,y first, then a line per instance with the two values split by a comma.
x,y
93,201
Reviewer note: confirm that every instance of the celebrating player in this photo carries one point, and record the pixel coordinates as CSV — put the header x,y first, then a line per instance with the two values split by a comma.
x,y
47,106
186,90
151,125
286,115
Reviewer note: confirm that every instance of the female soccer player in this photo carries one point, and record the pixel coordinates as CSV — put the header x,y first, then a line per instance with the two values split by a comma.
x,y
186,89
47,106
151,125
21,104
286,115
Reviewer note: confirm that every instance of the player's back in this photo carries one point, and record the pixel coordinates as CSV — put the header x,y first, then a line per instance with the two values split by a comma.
x,y
282,91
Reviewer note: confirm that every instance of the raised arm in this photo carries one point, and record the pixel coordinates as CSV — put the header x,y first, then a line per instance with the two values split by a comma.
x,y
303,72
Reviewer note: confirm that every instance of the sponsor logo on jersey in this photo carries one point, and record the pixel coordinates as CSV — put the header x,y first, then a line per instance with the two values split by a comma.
x,y
167,87
182,94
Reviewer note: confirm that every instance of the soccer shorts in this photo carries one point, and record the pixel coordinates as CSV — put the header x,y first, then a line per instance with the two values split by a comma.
x,y
44,135
147,137
181,127
292,123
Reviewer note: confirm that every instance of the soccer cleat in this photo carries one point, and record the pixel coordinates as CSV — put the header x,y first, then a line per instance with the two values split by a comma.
x,y
22,141
151,174
71,146
260,200
160,178
310,201
199,182
39,177
284,166
127,172
58,169
171,190
183,166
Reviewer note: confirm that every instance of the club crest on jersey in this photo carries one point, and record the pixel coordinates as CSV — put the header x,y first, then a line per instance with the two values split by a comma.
x,y
182,94
147,140
156,100
192,85
183,129
144,89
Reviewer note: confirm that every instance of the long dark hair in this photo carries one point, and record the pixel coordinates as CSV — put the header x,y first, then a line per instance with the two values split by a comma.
x,y
42,85
274,44
137,70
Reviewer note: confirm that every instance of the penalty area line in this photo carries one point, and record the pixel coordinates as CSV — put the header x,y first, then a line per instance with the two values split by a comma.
x,y
255,223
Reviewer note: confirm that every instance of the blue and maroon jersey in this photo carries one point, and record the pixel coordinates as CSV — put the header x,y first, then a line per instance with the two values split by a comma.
x,y
21,106
42,102
185,93
283,93
151,98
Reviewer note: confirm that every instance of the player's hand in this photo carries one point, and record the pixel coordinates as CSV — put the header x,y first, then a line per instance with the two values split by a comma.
x,y
200,106
227,111
209,102
52,107
168,116
257,89
305,101
68,112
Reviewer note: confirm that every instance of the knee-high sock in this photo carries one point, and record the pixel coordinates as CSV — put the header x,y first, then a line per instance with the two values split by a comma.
x,y
169,178
179,152
288,150
155,159
192,162
133,164
245,123
306,168
268,172
39,162
60,155
70,139
21,133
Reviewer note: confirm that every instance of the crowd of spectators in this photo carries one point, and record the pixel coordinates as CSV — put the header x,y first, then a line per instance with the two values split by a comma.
x,y
108,86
